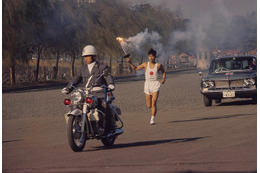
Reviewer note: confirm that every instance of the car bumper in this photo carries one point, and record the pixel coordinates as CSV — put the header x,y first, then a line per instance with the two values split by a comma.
x,y
239,93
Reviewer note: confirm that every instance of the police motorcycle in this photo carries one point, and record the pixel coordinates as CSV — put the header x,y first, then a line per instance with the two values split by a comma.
x,y
85,121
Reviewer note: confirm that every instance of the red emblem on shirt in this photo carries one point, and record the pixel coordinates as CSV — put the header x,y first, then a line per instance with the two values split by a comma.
x,y
151,73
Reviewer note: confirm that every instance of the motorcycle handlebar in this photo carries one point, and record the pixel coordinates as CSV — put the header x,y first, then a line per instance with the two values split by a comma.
x,y
104,73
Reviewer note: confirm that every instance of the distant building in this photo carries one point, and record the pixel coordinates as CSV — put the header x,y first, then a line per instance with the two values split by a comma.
x,y
203,58
252,52
86,1
235,52
92,1
182,60
203,50
221,53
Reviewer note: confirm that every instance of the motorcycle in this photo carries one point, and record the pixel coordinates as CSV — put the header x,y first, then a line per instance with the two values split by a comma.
x,y
85,120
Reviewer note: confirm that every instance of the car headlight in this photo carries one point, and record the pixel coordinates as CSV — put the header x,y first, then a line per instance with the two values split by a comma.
x,y
249,81
208,84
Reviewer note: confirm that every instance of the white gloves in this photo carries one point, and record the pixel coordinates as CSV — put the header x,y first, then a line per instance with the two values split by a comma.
x,y
65,90
111,86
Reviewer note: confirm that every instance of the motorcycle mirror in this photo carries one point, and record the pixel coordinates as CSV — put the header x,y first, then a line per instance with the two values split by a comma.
x,y
65,76
200,74
106,73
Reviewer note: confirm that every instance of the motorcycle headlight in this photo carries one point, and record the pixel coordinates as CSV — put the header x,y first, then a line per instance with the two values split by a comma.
x,y
249,81
208,84
76,98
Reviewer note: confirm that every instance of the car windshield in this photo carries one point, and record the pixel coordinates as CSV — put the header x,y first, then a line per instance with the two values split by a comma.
x,y
233,63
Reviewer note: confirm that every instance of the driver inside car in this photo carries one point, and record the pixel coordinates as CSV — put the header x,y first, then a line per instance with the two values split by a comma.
x,y
251,65
220,65
91,70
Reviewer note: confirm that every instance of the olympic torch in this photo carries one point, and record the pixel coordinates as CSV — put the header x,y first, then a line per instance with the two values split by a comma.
x,y
121,41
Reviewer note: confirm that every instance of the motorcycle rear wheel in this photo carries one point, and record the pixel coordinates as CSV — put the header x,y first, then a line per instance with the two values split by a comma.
x,y
74,133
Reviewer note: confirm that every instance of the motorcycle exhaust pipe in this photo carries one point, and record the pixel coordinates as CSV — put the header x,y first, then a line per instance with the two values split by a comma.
x,y
116,133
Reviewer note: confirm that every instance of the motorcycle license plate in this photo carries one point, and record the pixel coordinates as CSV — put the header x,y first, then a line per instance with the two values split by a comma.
x,y
228,94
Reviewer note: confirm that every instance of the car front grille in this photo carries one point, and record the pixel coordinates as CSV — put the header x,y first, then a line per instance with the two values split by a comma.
x,y
221,84
237,83
233,84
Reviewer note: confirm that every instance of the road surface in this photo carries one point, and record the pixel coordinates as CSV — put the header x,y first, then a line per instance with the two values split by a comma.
x,y
187,137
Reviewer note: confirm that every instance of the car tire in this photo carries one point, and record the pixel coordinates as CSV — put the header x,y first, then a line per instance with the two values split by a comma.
x,y
218,101
207,101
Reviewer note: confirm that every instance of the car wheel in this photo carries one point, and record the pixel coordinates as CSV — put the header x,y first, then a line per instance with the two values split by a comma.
x,y
218,101
207,101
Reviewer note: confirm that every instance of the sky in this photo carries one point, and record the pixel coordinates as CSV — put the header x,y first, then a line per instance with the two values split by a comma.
x,y
196,8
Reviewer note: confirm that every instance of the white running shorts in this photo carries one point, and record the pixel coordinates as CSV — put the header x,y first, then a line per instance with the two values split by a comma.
x,y
151,86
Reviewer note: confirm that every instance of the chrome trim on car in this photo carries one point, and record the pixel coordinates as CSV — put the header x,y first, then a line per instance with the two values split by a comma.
x,y
226,89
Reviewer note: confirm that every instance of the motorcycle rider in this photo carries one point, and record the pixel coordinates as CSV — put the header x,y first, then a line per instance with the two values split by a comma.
x,y
91,70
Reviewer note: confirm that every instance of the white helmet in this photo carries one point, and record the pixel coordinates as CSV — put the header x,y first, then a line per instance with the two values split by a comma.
x,y
89,50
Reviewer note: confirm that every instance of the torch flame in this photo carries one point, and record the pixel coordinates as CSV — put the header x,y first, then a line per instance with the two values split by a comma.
x,y
121,42
120,39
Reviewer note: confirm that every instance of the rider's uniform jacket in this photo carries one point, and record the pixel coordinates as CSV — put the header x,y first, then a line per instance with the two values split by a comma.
x,y
83,75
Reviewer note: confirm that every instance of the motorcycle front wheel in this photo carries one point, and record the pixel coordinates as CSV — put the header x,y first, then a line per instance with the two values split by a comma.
x,y
108,141
76,138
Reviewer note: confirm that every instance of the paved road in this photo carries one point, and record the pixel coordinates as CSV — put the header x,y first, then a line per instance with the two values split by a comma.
x,y
188,137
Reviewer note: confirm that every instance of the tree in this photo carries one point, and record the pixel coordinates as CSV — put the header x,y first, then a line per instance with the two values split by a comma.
x,y
37,15
65,27
13,34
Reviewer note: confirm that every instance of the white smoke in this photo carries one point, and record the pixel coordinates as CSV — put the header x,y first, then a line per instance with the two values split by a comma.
x,y
177,36
208,29
211,25
140,42
142,38
143,41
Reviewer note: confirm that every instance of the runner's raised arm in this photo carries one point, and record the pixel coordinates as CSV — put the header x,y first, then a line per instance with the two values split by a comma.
x,y
134,67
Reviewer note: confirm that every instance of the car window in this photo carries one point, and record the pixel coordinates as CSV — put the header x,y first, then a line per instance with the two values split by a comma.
x,y
226,64
245,64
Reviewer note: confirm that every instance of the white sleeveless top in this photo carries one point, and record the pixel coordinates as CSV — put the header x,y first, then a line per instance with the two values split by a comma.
x,y
151,74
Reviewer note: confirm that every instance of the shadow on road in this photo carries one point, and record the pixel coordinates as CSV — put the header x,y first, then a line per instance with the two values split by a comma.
x,y
215,172
211,118
238,103
218,172
11,141
147,143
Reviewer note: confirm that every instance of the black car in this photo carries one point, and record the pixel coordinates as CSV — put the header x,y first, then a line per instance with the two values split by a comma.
x,y
230,77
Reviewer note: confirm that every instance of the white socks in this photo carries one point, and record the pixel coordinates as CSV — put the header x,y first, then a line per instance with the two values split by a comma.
x,y
152,121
